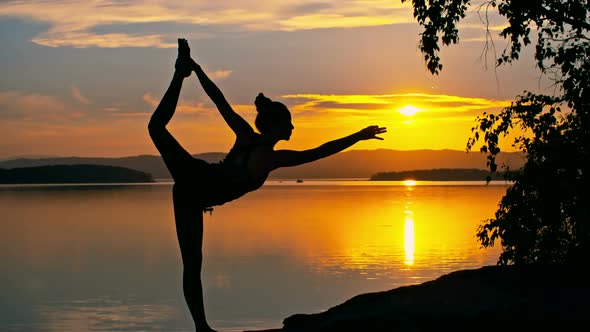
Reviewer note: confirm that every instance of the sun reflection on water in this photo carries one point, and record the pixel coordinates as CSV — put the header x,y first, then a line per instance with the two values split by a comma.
x,y
409,234
409,183
409,246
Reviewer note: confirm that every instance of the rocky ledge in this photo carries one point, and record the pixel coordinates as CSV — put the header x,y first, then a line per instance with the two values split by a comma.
x,y
491,298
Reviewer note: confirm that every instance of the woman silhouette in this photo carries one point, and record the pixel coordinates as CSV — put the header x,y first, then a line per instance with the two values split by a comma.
x,y
198,184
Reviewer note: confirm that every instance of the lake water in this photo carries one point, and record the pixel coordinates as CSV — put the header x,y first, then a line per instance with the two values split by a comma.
x,y
105,257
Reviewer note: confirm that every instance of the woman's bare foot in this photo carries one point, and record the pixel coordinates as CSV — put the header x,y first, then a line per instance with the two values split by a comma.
x,y
205,328
184,63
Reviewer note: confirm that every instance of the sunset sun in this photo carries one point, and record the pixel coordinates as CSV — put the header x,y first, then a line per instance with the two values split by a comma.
x,y
408,110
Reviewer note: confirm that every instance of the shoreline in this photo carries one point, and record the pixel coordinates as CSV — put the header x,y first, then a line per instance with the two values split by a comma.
x,y
273,182
506,298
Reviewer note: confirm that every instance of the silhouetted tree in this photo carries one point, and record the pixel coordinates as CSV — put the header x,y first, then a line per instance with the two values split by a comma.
x,y
544,216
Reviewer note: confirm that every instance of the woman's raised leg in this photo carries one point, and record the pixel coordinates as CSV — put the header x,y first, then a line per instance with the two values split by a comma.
x,y
176,158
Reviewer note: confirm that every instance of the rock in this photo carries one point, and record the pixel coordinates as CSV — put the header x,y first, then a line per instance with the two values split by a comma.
x,y
491,298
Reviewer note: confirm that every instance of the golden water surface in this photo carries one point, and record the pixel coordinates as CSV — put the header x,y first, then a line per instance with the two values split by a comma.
x,y
105,257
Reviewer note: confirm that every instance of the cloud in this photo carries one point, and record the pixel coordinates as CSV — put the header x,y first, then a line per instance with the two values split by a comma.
x,y
75,23
329,20
184,107
151,100
29,106
43,124
78,96
370,105
112,40
220,74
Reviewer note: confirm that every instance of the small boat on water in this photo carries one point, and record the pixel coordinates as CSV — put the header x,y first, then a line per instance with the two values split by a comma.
x,y
299,181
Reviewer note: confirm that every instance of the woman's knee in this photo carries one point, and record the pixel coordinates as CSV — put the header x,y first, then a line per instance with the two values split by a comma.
x,y
157,132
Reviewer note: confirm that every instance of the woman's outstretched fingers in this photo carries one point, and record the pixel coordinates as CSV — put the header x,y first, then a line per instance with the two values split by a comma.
x,y
371,132
376,130
380,130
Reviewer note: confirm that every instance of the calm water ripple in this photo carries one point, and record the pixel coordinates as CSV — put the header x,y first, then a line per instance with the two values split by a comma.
x,y
105,258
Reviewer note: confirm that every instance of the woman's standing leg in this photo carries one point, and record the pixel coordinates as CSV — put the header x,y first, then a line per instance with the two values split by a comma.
x,y
176,158
189,229
188,216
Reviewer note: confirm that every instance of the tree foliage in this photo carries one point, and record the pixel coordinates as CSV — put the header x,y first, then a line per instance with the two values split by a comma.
x,y
544,215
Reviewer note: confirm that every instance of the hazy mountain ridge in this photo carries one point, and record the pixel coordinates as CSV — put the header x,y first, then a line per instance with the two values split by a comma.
x,y
348,164
153,165
365,163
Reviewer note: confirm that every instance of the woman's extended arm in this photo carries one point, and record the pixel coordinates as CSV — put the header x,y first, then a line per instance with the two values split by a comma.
x,y
234,120
287,158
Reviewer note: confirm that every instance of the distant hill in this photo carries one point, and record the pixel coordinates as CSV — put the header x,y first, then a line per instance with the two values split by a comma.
x,y
72,174
364,163
440,174
348,164
144,163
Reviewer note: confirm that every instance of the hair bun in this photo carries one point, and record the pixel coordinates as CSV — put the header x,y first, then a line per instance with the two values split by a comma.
x,y
262,102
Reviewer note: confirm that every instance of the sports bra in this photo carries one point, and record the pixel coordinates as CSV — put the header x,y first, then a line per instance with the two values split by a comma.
x,y
231,174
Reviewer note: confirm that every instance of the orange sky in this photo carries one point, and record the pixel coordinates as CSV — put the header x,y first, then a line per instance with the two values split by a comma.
x,y
82,78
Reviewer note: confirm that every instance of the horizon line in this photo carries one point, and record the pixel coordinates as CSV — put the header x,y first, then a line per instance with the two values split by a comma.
x,y
2,159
